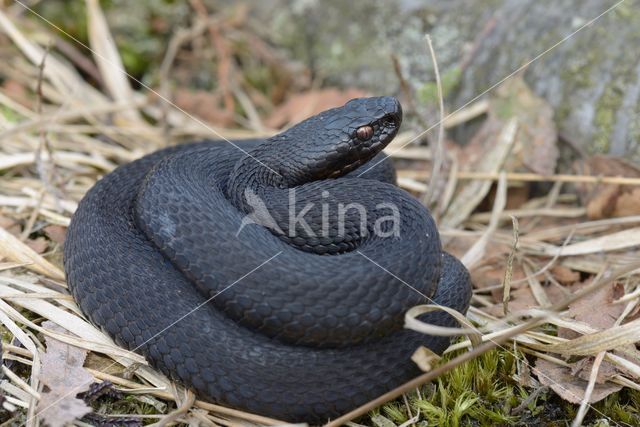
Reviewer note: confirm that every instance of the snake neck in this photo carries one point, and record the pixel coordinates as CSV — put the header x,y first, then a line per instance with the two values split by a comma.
x,y
307,158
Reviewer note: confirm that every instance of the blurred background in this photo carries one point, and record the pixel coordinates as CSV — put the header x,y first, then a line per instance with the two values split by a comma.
x,y
268,52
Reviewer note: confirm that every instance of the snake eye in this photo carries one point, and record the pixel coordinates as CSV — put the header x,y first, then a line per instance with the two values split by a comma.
x,y
364,133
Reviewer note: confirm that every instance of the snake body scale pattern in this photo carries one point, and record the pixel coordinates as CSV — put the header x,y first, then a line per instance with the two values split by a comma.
x,y
293,321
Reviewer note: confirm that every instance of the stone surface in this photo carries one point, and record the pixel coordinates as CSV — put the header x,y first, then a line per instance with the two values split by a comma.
x,y
592,79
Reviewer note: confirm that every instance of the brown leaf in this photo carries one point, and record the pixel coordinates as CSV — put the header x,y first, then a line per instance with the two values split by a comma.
x,y
490,272
63,374
518,135
605,201
568,386
628,203
39,244
565,275
10,225
523,299
601,318
306,104
582,368
18,92
536,147
206,105
56,233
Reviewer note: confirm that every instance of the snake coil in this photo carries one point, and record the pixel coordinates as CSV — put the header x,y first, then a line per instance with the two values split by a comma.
x,y
194,257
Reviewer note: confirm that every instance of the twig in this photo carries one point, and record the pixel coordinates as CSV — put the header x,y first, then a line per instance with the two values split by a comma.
x,y
69,115
404,85
506,282
437,153
84,63
187,404
532,177
534,394
225,62
601,281
452,183
550,264
46,172
180,37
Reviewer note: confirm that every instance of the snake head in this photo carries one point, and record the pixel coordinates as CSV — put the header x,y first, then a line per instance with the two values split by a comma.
x,y
337,141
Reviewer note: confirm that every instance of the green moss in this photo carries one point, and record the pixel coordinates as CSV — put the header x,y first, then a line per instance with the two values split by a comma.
x,y
484,392
428,92
605,119
141,29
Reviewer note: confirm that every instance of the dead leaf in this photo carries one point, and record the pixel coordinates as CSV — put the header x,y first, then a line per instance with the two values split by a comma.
x,y
567,385
204,104
306,104
583,309
628,203
56,233
564,275
524,299
39,244
490,273
582,368
536,147
63,374
17,92
519,135
606,201
10,225
424,358
487,152
58,409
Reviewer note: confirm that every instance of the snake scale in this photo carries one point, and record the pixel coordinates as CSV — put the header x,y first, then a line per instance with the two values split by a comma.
x,y
299,319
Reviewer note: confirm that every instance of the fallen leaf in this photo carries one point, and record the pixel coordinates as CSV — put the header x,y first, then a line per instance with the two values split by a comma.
x,y
519,135
536,147
567,385
583,309
487,152
628,203
206,105
63,374
424,358
306,104
490,273
524,299
17,92
564,275
582,368
610,200
56,233
10,225
39,244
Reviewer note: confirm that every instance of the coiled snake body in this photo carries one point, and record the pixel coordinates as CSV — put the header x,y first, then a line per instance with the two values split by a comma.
x,y
295,319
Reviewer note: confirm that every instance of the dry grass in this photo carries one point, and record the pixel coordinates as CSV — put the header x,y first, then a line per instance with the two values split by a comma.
x,y
53,152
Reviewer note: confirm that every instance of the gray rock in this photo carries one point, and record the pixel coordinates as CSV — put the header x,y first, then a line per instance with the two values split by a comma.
x,y
592,79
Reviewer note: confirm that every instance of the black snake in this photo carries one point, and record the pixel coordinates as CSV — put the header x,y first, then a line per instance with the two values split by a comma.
x,y
298,319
